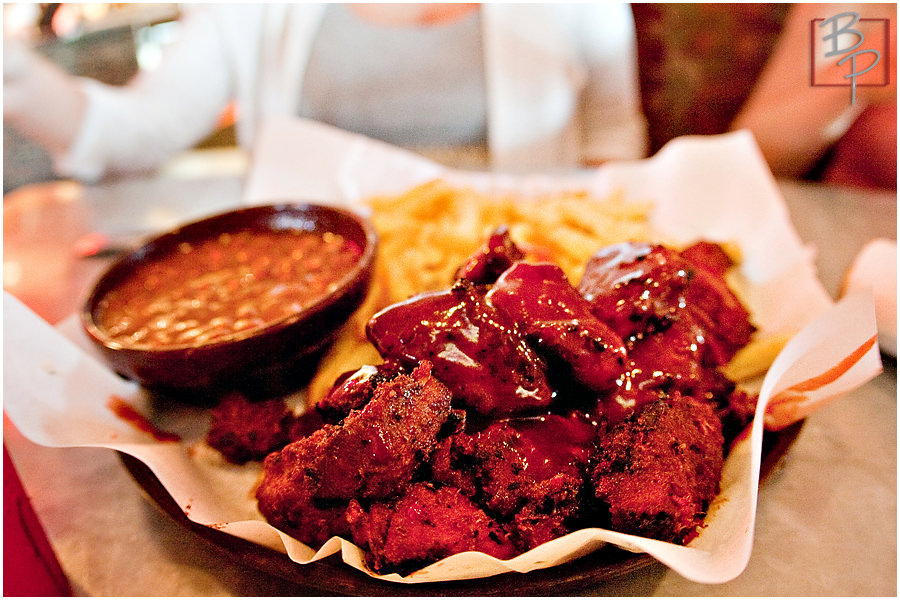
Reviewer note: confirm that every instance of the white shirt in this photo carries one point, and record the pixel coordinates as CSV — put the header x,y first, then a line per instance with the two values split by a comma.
x,y
560,85
421,87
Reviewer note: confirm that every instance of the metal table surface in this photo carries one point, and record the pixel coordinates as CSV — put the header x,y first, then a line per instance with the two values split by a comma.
x,y
827,518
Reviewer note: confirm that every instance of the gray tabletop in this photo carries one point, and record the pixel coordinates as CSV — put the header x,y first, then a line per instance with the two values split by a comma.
x,y
827,517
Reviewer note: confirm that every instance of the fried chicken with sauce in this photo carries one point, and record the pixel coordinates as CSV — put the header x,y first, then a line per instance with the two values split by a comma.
x,y
372,454
528,473
476,350
640,289
679,321
558,323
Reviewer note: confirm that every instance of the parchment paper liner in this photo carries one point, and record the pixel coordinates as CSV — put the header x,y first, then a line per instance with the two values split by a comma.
x,y
56,391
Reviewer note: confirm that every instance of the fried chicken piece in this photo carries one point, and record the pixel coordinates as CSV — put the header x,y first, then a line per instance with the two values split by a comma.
x,y
640,289
657,472
243,430
354,389
662,363
373,453
422,526
679,321
526,472
709,255
558,322
497,254
736,412
476,350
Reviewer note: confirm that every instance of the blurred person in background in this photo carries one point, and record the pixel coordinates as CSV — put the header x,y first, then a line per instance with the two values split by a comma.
x,y
534,86
714,67
817,131
538,85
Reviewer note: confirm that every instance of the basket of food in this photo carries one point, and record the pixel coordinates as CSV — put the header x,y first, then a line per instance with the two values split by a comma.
x,y
543,369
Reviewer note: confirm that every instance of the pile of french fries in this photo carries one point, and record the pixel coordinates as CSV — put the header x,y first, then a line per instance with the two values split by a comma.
x,y
427,233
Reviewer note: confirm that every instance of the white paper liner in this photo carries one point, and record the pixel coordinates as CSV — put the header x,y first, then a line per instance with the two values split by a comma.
x,y
56,391
875,269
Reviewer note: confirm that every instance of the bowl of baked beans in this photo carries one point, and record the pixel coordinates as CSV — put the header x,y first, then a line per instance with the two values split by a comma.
x,y
248,299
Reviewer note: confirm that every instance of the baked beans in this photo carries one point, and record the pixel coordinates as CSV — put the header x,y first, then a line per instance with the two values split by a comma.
x,y
206,291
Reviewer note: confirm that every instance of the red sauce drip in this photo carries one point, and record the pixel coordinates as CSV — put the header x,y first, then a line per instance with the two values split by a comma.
x,y
127,413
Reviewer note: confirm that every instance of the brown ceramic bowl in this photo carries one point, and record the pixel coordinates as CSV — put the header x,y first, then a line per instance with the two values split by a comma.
x,y
272,356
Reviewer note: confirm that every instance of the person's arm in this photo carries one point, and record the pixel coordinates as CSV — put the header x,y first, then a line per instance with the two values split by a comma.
x,y
91,128
40,100
793,121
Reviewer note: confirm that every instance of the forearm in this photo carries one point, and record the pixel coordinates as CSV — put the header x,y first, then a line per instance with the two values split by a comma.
x,y
91,129
793,121
40,99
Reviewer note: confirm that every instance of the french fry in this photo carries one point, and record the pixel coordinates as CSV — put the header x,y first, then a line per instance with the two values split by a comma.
x,y
755,358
